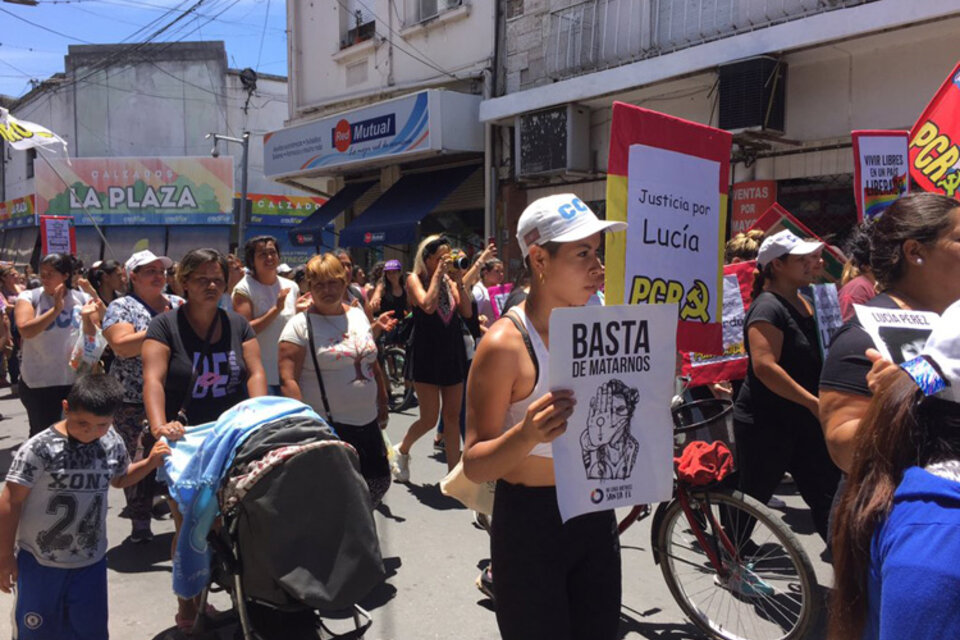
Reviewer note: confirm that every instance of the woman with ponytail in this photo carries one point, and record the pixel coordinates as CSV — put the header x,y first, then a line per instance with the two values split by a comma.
x,y
775,416
895,541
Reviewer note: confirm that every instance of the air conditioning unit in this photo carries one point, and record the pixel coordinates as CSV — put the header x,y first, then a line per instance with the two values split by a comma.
x,y
554,141
432,8
753,95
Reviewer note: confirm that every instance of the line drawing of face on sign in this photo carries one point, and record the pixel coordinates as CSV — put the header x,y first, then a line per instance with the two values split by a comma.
x,y
609,450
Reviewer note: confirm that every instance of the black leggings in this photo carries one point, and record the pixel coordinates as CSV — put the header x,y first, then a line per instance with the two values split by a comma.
x,y
44,405
552,580
768,448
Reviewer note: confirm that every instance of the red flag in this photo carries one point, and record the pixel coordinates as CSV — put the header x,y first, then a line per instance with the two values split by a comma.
x,y
935,140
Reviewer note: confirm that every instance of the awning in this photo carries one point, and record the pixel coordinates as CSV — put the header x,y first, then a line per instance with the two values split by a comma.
x,y
308,232
393,217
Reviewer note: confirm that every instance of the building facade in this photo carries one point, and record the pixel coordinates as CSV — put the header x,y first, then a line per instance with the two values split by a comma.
x,y
128,114
384,115
790,78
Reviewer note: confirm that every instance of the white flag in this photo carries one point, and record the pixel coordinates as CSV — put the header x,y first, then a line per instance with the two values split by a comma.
x,y
23,135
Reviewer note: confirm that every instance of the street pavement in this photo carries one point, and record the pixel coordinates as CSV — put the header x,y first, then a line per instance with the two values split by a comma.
x,y
432,552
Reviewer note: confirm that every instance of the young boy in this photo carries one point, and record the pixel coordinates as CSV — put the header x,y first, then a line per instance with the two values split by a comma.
x,y
54,508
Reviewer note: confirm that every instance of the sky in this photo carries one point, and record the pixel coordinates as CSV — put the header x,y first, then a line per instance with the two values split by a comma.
x,y
34,39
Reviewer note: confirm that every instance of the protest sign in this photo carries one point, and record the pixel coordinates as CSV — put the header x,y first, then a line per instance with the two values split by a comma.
x,y
732,364
617,450
498,297
827,309
777,219
750,201
669,179
880,170
57,235
899,334
935,140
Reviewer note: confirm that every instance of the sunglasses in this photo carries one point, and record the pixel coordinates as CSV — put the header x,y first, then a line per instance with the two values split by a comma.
x,y
434,246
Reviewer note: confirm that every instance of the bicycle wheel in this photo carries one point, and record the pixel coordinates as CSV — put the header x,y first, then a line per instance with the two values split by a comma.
x,y
768,590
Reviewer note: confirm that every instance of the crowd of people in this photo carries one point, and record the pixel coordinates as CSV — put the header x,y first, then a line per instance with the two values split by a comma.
x,y
872,446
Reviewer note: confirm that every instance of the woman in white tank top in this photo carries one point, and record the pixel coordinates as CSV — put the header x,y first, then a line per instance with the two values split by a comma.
x,y
552,580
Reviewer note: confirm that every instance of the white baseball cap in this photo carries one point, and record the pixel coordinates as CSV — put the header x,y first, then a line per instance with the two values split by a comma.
x,y
942,350
785,243
559,218
284,269
146,256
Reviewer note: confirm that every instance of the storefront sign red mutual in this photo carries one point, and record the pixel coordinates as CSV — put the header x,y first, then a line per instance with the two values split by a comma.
x,y
935,140
750,201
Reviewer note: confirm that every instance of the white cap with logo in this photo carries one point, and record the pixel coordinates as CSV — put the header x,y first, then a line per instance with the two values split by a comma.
x,y
559,218
146,256
942,351
785,243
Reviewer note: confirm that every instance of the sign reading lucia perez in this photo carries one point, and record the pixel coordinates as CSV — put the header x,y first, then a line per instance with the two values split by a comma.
x,y
668,178
132,191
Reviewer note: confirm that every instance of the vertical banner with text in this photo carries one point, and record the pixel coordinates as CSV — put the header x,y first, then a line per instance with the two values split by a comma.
x,y
669,179
880,161
57,235
750,200
935,140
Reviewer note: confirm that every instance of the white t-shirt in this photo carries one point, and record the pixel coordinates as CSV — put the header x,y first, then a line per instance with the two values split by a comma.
x,y
484,306
264,298
346,352
45,356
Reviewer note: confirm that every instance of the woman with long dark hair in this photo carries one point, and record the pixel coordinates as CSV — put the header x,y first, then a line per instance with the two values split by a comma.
x,y
198,361
108,280
775,415
49,322
895,542
915,259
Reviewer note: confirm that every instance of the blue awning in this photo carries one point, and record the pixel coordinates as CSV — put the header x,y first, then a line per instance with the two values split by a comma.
x,y
308,232
393,218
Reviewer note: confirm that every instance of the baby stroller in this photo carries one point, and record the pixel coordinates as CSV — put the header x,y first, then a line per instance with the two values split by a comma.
x,y
297,538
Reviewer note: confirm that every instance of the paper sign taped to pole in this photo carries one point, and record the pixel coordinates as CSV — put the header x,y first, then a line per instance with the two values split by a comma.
x,y
57,235
826,305
898,334
881,172
668,178
619,362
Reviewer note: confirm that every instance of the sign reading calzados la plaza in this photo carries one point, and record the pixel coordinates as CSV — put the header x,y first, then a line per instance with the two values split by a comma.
x,y
131,191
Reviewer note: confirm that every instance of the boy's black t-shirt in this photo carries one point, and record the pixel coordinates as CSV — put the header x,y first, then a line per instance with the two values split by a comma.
x,y
799,357
846,366
222,377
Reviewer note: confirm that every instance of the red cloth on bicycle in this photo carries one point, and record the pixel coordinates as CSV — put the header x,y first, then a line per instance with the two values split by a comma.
x,y
702,463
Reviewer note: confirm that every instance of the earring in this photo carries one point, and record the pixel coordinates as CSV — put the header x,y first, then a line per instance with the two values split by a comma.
x,y
541,277
919,261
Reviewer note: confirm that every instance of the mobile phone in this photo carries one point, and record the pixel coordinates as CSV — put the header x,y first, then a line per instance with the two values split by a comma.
x,y
492,240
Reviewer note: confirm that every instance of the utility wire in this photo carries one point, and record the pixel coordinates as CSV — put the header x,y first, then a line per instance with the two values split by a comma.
x,y
266,16
48,29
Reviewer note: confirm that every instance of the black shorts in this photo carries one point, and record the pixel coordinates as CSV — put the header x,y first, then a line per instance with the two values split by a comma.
x,y
553,580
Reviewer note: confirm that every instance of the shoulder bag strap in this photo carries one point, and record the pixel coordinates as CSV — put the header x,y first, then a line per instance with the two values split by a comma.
x,y
316,366
204,352
526,342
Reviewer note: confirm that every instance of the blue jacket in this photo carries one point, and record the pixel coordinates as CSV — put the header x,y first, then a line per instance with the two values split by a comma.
x,y
194,471
914,579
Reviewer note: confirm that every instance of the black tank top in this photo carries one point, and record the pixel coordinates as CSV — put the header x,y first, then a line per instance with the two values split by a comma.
x,y
390,302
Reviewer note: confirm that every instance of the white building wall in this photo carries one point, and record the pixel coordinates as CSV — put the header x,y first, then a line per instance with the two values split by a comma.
x,y
404,54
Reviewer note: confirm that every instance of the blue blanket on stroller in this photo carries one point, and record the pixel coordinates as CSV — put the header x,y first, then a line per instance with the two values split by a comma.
x,y
193,473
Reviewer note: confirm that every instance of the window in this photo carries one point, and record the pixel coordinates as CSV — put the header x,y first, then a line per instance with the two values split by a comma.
x,y
31,156
357,22
421,10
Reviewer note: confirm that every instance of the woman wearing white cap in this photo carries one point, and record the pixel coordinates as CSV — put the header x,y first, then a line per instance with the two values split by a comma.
x,y
895,541
552,580
125,327
776,414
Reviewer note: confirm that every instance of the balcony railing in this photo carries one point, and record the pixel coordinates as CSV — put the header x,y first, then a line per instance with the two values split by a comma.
x,y
597,34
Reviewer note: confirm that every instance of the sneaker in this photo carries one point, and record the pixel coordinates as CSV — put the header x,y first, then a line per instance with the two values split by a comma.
x,y
439,446
401,468
745,582
485,582
141,534
481,520
776,503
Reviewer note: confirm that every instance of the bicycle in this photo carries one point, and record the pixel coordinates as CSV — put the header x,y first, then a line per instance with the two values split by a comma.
x,y
392,357
732,566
